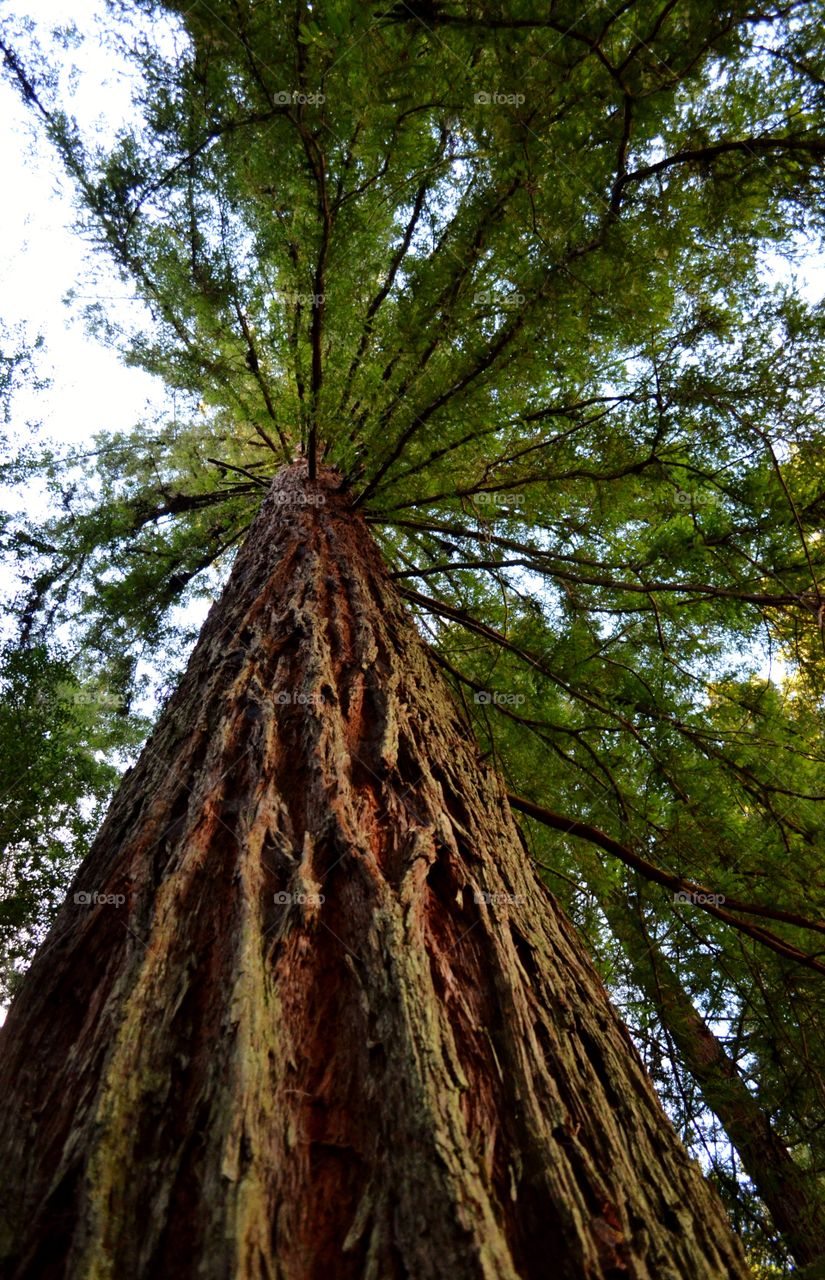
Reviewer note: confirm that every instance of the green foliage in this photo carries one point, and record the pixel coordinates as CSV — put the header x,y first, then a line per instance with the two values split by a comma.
x,y
55,734
18,359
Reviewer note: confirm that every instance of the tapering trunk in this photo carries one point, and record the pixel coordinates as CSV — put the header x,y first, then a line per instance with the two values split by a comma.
x,y
337,1027
790,1195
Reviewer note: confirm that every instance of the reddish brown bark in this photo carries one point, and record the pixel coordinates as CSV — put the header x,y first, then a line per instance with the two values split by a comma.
x,y
419,1075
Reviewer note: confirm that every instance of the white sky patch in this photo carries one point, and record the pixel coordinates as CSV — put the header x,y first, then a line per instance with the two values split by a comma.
x,y
43,259
807,269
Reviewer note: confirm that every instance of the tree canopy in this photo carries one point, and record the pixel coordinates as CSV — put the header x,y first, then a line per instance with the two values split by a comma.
x,y
513,269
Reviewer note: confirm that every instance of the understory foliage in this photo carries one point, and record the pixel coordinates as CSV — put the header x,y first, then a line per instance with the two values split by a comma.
x,y
513,269
59,745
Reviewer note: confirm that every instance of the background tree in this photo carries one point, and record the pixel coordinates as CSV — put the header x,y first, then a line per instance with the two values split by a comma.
x,y
507,272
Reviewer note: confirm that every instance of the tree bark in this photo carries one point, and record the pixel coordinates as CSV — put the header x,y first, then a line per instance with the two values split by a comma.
x,y
788,1193
337,1027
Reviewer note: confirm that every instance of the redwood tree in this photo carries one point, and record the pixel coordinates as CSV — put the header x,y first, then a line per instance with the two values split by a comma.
x,y
321,1017
507,271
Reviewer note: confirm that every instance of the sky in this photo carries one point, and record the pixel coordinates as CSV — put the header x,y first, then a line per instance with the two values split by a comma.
x,y
42,259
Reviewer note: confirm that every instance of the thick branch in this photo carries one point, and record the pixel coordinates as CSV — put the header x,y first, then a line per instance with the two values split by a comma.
x,y
572,827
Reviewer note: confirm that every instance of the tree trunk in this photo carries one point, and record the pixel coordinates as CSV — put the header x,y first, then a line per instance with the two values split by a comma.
x,y
789,1194
337,1027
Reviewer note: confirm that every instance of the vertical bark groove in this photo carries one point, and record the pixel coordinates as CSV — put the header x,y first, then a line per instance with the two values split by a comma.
x,y
338,1027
